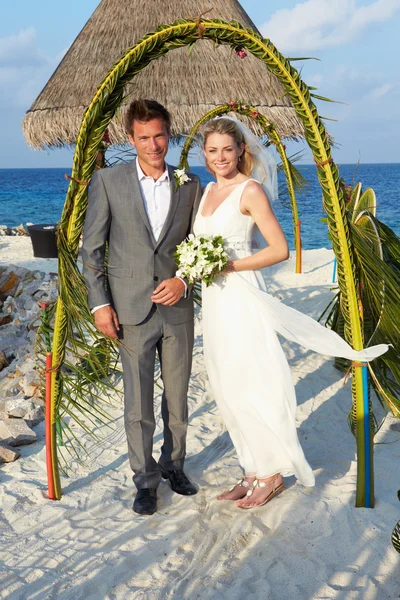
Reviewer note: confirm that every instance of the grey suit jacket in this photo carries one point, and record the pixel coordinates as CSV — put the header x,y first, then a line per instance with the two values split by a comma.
x,y
136,262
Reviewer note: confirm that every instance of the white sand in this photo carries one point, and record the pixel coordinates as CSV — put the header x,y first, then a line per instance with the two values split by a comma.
x,y
305,544
17,250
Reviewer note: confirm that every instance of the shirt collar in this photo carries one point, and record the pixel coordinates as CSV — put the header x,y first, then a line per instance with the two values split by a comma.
x,y
141,175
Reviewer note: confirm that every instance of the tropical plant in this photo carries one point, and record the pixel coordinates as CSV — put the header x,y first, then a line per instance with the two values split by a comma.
x,y
72,315
294,179
377,273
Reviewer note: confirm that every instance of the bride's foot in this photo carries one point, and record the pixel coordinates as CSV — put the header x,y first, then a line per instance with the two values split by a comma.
x,y
239,490
262,492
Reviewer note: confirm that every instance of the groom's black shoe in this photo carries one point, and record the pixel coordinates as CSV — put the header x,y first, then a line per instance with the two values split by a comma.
x,y
179,482
146,501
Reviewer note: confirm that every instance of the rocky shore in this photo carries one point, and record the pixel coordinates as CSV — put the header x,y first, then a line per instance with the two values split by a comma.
x,y
21,394
20,230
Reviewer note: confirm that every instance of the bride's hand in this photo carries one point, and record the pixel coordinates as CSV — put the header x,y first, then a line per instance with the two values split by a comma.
x,y
229,268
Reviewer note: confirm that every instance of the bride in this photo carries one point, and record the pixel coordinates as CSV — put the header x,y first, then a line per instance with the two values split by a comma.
x,y
247,369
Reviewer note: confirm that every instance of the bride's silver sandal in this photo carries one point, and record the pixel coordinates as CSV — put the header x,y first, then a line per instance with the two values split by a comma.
x,y
263,484
242,482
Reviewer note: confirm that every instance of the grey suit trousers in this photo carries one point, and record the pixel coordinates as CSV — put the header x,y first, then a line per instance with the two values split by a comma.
x,y
174,345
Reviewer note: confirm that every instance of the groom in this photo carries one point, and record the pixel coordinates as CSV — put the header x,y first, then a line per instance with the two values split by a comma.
x,y
144,212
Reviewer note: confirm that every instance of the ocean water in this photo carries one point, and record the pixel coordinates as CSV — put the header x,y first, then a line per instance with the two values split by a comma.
x,y
37,196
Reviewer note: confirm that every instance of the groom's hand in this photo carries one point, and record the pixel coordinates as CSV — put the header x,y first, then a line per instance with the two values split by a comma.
x,y
106,321
169,292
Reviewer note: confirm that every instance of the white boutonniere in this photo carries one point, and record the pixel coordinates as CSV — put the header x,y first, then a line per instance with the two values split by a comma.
x,y
180,177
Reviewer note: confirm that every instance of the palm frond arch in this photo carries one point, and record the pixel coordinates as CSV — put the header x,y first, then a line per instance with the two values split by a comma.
x,y
268,128
185,32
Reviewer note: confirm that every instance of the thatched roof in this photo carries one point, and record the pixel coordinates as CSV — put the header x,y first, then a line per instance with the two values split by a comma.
x,y
189,86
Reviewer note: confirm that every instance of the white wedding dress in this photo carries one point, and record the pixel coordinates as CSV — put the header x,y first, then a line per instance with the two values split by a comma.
x,y
247,369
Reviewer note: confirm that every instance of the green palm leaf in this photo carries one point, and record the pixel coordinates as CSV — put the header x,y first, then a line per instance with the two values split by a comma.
x,y
376,252
364,202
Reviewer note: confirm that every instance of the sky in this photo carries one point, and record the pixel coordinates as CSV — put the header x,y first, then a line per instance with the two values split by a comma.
x,y
356,42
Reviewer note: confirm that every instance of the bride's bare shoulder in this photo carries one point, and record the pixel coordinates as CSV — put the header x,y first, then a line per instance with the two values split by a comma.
x,y
254,199
254,191
253,186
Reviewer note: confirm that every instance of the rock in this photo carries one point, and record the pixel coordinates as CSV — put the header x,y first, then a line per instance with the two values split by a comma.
x,y
24,365
16,432
31,288
10,306
3,361
3,412
24,274
19,407
22,351
21,230
4,374
4,319
31,384
4,230
35,416
28,286
8,454
11,386
11,345
32,333
11,339
9,281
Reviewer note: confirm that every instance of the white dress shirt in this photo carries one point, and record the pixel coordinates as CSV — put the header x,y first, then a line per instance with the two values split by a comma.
x,y
157,198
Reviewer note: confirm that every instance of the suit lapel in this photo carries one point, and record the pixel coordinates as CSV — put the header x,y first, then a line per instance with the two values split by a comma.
x,y
173,205
138,198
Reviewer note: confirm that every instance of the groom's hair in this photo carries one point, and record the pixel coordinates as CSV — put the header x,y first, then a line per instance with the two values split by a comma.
x,y
146,110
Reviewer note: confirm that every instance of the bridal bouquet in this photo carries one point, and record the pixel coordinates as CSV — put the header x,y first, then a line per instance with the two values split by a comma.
x,y
201,257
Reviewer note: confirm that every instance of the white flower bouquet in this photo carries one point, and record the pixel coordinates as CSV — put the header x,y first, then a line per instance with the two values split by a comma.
x,y
201,257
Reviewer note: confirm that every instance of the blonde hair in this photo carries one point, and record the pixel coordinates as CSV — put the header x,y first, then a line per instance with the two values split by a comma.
x,y
229,127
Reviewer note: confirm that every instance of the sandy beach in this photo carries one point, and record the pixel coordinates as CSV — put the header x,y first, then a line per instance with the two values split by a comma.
x,y
305,544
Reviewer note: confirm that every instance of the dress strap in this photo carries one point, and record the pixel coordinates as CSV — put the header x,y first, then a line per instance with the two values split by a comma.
x,y
241,188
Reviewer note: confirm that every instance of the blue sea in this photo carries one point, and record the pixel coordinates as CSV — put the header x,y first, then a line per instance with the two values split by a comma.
x,y
37,196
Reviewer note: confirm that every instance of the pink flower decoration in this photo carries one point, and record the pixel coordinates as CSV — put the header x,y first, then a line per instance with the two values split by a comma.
x,y
254,114
232,103
240,52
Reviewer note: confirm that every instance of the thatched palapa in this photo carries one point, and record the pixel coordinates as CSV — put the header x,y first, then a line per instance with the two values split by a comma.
x,y
188,84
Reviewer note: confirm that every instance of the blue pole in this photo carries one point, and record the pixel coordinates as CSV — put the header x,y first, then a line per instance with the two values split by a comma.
x,y
367,437
334,270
